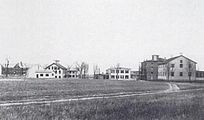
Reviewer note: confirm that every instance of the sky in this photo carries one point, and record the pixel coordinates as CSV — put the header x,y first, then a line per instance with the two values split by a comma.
x,y
100,32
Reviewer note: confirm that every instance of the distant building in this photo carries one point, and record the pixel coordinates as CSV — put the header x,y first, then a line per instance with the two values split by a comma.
x,y
149,68
199,75
32,68
134,75
73,73
119,73
17,71
177,68
100,76
45,74
59,70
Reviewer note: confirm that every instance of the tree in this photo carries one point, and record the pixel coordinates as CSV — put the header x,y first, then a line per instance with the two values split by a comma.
x,y
189,69
6,65
169,69
83,69
117,70
96,70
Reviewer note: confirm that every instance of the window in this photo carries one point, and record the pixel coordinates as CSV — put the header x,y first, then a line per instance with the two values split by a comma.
x,y
112,76
52,74
59,76
181,65
112,71
122,76
55,76
55,68
41,75
181,73
117,77
117,71
122,71
151,72
126,77
172,65
47,75
126,71
181,61
59,71
189,73
172,74
73,76
55,72
37,76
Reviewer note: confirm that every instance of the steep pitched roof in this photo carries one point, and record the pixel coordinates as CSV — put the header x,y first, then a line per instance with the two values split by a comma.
x,y
57,64
173,58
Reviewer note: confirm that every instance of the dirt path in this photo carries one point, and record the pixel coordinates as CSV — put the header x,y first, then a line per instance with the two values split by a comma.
x,y
172,88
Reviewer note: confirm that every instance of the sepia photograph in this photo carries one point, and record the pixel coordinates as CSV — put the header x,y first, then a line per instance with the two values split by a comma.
x,y
102,60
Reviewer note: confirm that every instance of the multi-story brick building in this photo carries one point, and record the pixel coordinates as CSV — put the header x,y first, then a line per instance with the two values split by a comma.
x,y
149,68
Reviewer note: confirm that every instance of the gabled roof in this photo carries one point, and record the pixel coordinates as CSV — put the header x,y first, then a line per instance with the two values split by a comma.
x,y
173,58
57,64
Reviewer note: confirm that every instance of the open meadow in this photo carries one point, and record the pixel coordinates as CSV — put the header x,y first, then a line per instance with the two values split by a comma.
x,y
34,99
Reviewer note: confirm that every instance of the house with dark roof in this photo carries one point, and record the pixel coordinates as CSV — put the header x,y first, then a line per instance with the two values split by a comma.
x,y
14,70
177,68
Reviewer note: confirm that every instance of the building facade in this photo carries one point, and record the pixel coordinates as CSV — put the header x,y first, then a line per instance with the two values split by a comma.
x,y
177,68
149,68
59,70
73,74
44,74
118,73
18,70
199,75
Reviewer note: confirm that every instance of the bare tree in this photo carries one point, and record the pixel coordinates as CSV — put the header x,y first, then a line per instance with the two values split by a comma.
x,y
169,69
117,70
189,69
6,65
96,70
83,69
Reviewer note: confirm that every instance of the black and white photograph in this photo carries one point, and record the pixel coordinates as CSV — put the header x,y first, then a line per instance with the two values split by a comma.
x,y
101,59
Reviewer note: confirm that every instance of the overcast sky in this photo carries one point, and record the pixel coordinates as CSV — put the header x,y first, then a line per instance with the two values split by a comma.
x,y
103,32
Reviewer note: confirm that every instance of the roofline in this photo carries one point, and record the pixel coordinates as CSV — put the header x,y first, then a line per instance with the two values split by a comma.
x,y
173,58
59,65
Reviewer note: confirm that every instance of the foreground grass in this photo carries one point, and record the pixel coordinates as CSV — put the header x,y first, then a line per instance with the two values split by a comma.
x,y
173,106
56,89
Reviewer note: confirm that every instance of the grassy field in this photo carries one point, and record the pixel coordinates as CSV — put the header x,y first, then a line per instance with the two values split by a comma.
x,y
185,105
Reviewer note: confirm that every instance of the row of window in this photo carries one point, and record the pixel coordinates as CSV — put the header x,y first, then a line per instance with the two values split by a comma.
x,y
45,75
58,72
54,68
121,77
200,74
119,71
172,74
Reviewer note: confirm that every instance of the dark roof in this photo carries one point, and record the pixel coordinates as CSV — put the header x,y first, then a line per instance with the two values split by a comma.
x,y
57,64
173,58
